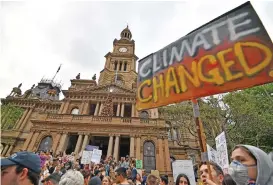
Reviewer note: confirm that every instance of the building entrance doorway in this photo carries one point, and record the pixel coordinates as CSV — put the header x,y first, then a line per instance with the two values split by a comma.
x,y
124,147
71,145
102,143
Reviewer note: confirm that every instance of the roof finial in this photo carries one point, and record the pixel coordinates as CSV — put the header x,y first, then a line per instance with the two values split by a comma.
x,y
127,26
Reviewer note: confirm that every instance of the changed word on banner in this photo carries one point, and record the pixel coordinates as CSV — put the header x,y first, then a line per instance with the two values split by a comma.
x,y
232,52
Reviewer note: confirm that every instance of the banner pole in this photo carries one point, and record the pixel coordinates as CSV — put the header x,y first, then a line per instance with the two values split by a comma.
x,y
201,135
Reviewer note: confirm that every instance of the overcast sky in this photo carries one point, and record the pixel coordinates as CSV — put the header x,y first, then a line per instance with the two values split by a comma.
x,y
36,38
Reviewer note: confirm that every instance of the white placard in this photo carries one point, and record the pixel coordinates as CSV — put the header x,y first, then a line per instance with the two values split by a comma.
x,y
212,154
86,157
186,167
96,156
221,147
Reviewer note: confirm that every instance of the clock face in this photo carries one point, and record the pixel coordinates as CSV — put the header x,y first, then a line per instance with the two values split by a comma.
x,y
122,50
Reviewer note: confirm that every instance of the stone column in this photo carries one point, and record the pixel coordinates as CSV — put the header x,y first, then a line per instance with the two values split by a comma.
x,y
97,109
4,151
110,145
122,110
122,66
79,144
61,108
65,109
56,142
101,107
26,143
85,108
116,149
26,119
118,109
85,141
138,156
133,110
21,119
167,154
9,150
81,108
62,142
33,140
160,155
132,146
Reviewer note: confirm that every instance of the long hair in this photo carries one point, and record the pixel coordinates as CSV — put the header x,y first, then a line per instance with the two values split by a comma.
x,y
182,175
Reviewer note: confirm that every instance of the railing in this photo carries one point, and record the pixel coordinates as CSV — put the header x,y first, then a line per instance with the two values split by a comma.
x,y
102,119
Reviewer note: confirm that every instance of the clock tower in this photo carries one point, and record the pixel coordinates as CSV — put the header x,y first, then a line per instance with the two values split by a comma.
x,y
120,64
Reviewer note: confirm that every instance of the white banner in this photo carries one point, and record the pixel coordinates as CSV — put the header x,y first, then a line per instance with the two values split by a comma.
x,y
212,154
186,167
96,156
86,157
221,147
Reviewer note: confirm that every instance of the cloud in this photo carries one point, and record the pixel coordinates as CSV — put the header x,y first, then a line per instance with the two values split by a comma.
x,y
37,37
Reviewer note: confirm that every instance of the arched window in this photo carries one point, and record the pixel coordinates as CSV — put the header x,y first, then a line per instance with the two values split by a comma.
x,y
75,111
168,126
149,156
175,134
45,144
144,115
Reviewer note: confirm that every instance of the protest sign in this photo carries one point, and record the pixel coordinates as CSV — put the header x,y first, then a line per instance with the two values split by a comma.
x,y
96,156
212,154
139,164
86,157
186,167
231,52
222,152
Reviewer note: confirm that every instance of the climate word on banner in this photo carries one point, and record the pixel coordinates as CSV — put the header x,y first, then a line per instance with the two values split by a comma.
x,y
184,166
222,152
229,53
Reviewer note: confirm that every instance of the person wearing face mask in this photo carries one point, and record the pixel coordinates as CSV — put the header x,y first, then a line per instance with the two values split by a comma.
x,y
250,166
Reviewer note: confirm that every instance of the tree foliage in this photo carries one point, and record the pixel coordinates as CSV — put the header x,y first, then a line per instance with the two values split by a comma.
x,y
9,116
250,114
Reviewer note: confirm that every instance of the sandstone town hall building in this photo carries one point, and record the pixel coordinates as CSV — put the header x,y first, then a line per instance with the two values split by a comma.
x,y
99,112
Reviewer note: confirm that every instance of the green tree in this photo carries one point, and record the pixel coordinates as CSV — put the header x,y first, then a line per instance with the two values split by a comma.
x,y
250,116
10,114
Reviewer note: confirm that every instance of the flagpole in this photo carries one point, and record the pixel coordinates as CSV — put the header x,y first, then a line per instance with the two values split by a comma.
x,y
57,72
201,135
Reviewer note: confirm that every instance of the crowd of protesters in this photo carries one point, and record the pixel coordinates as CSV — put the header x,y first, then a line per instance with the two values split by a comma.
x,y
250,166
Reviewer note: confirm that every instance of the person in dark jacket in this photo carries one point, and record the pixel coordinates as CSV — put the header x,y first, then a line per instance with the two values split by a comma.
x,y
96,180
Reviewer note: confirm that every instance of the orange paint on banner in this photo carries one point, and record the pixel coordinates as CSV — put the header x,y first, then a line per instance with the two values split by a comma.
x,y
225,68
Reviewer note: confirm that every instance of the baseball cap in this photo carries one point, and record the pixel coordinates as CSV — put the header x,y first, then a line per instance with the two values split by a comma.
x,y
53,176
26,159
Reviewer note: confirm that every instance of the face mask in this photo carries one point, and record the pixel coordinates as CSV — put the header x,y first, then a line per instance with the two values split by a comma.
x,y
239,172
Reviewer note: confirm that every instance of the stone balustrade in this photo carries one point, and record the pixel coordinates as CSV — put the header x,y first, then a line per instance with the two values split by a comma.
x,y
68,118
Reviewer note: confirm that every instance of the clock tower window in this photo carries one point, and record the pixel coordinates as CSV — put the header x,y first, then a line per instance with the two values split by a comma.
x,y
116,65
120,66
125,66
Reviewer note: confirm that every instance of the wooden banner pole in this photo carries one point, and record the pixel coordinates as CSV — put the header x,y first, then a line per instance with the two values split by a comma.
x,y
201,135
